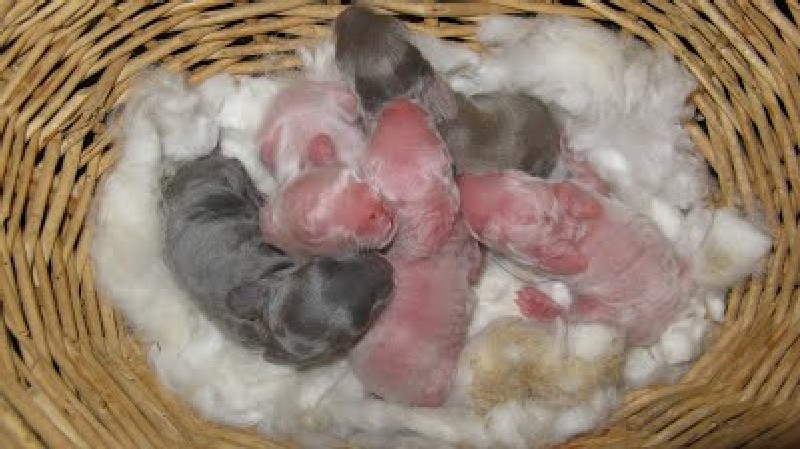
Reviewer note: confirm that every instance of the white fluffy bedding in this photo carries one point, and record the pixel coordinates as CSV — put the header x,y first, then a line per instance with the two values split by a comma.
x,y
621,103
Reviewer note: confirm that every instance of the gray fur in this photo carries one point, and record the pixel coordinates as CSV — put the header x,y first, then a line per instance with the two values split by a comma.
x,y
493,131
500,131
298,313
374,55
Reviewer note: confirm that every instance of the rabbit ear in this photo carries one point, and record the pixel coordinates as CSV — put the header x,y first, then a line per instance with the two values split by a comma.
x,y
346,103
269,228
251,302
268,146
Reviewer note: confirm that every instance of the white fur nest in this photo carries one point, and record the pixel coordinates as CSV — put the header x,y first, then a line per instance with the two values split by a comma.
x,y
620,102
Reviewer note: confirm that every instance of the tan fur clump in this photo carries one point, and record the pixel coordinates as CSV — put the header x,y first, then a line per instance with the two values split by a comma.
x,y
520,360
717,260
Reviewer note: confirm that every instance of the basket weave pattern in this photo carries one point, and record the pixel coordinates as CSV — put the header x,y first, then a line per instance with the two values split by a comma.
x,y
71,373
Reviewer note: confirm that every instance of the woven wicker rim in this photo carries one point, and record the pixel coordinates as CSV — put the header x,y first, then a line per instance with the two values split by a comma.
x,y
71,375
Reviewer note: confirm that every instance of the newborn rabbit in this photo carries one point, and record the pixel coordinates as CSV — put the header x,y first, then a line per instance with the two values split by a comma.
x,y
411,353
298,314
311,143
619,266
326,211
490,131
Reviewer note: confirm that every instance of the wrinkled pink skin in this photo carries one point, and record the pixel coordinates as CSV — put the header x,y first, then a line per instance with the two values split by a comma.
x,y
311,143
411,353
327,212
619,267
409,164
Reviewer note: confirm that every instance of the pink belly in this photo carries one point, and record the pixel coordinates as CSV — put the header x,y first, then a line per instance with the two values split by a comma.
x,y
411,353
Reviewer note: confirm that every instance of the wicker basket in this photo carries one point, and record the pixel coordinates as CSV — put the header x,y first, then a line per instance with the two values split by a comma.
x,y
72,375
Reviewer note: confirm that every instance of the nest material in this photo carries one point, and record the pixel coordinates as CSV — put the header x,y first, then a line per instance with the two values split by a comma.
x,y
71,373
516,360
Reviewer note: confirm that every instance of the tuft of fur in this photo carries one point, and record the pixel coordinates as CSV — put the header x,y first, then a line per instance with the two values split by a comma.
x,y
518,359
730,250
319,63
240,104
167,100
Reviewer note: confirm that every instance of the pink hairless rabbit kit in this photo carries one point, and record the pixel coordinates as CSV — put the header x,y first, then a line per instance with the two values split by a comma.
x,y
410,243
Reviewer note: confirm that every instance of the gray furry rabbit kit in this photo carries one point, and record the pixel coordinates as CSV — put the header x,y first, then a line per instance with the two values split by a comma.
x,y
297,313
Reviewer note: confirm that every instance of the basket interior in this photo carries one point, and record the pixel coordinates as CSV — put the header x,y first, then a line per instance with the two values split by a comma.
x,y
73,375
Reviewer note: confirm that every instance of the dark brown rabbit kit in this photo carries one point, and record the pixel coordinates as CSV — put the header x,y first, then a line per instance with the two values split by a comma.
x,y
74,373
